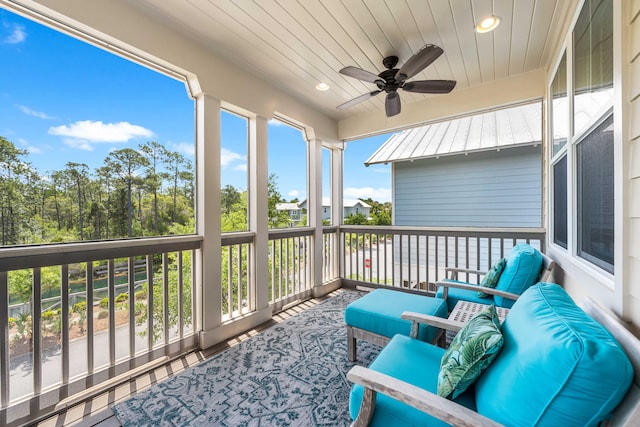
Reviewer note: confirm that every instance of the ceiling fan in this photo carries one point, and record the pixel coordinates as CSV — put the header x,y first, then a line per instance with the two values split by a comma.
x,y
392,79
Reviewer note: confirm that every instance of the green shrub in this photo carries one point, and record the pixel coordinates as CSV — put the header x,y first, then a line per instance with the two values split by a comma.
x,y
103,315
104,303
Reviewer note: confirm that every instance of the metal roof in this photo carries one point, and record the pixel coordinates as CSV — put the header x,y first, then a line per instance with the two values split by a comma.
x,y
493,130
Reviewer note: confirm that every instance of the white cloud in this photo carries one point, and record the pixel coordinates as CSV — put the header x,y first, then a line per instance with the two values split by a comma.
x,y
88,131
30,148
28,111
80,144
241,167
17,36
185,148
227,157
378,194
293,193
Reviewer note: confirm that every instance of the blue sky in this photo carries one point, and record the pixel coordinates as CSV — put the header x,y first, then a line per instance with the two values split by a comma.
x,y
63,101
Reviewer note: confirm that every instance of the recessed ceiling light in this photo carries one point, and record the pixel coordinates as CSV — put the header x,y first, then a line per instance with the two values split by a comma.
x,y
488,24
322,86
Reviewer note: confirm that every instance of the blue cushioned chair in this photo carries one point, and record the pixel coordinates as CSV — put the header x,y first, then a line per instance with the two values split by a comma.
x,y
525,266
559,366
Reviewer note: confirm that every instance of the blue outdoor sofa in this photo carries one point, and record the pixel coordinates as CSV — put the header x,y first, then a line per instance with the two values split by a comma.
x,y
558,366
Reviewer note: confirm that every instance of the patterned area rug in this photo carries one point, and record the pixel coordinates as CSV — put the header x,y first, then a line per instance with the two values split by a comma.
x,y
291,374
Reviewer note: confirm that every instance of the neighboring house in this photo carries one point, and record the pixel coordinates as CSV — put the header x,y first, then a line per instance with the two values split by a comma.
x,y
483,170
349,206
294,210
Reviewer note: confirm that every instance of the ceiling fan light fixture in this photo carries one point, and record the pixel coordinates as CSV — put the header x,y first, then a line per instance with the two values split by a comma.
x,y
488,24
322,86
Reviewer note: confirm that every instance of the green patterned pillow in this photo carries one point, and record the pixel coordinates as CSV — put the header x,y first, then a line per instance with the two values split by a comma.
x,y
470,353
490,279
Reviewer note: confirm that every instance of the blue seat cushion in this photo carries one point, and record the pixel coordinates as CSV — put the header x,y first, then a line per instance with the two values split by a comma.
x,y
415,362
379,312
456,295
558,366
521,271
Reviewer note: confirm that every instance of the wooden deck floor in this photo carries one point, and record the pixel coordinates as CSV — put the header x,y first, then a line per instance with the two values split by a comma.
x,y
97,410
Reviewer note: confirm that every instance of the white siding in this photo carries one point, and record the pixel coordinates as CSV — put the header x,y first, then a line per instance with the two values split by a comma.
x,y
488,189
632,299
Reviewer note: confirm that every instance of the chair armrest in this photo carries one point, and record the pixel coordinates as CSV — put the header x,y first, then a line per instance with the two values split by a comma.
x,y
470,287
418,318
464,270
434,405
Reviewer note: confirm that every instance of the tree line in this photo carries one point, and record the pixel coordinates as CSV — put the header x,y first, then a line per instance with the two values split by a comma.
x,y
134,193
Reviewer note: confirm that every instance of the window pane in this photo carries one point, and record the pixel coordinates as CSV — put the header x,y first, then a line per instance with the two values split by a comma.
x,y
593,63
560,107
233,172
560,202
595,196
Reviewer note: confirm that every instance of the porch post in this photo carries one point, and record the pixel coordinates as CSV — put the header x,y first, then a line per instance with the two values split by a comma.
x,y
259,207
337,201
208,310
314,213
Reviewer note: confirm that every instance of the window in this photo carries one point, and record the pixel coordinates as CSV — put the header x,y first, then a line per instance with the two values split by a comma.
x,y
560,202
593,135
560,126
594,156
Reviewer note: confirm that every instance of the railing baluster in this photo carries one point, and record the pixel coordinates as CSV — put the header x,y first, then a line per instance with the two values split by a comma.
x,y
131,272
4,342
165,296
180,296
230,281
240,285
64,295
36,321
89,308
150,302
111,280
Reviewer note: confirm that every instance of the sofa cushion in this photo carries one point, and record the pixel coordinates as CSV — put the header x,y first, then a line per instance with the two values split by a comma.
x,y
379,312
490,280
456,295
472,350
521,271
557,366
412,361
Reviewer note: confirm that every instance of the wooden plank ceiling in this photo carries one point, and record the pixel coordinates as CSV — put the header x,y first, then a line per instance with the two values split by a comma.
x,y
294,44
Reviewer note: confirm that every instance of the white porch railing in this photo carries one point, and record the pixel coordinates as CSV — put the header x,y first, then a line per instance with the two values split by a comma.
x,y
67,347
77,332
416,257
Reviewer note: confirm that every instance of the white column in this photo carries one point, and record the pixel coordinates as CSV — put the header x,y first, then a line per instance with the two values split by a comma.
x,y
337,201
208,283
314,211
259,206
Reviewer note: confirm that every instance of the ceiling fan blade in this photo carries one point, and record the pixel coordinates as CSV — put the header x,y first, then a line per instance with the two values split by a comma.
x,y
357,100
392,104
430,86
418,62
360,74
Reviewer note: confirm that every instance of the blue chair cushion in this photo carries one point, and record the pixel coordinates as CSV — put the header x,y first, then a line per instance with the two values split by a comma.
x,y
379,312
412,361
456,295
521,272
558,366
